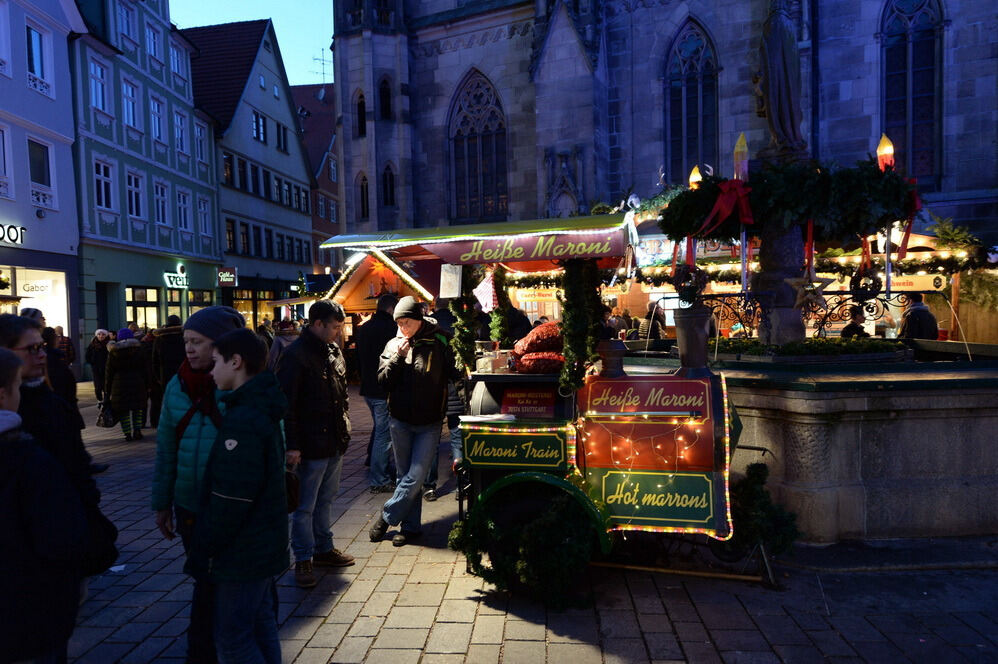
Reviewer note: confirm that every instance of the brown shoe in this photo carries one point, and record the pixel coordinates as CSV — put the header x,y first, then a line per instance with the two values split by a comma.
x,y
334,558
303,574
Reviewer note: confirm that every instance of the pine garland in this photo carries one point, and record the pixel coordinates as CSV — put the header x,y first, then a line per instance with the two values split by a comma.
x,y
463,308
594,305
499,318
576,325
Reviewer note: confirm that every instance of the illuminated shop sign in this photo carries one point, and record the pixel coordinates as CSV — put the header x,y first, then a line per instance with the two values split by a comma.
x,y
177,279
12,234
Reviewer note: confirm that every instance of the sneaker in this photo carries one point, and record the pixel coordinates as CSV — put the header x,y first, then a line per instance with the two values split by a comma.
x,y
333,558
304,578
404,538
429,496
378,530
383,488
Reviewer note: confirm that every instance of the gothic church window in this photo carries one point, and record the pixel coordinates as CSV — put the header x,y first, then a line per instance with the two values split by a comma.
x,y
388,187
383,11
362,191
361,116
385,99
477,132
691,103
911,42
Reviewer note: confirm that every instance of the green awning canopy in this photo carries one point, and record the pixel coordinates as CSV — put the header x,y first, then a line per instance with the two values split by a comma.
x,y
407,237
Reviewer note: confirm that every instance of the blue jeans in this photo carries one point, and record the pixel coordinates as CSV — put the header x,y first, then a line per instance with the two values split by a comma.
x,y
414,445
378,473
453,422
246,622
312,522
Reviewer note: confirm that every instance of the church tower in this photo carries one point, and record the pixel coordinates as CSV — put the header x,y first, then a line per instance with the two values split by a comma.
x,y
372,79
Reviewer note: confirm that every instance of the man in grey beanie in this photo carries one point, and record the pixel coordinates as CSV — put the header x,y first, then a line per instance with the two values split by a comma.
x,y
188,425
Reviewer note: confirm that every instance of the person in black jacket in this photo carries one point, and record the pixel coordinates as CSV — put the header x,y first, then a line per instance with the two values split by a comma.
x,y
857,316
96,357
917,322
167,355
61,379
415,369
312,374
372,337
127,382
45,531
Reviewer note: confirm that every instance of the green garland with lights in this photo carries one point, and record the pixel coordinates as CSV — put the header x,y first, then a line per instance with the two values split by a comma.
x,y
463,308
499,317
576,321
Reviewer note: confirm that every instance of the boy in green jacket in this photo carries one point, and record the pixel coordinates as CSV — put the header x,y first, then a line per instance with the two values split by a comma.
x,y
241,536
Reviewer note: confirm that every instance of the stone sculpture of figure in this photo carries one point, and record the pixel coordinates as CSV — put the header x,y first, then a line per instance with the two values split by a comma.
x,y
780,84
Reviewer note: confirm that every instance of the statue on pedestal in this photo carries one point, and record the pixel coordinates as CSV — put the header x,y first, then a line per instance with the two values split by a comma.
x,y
778,85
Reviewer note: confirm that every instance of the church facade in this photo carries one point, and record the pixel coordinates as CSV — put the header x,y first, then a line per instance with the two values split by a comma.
x,y
461,111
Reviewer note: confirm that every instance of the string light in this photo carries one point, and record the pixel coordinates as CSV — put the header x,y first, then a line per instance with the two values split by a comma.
x,y
403,275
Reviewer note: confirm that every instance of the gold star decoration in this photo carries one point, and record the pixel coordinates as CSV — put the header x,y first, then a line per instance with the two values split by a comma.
x,y
809,291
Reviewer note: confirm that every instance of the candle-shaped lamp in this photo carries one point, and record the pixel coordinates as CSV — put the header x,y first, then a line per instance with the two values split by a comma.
x,y
885,153
695,177
741,158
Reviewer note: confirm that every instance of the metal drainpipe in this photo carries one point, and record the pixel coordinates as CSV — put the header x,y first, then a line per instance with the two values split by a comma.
x,y
815,87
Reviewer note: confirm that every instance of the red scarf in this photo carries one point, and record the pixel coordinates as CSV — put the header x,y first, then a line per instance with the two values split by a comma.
x,y
200,387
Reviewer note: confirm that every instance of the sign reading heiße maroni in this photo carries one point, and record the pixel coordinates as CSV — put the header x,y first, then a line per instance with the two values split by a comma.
x,y
532,248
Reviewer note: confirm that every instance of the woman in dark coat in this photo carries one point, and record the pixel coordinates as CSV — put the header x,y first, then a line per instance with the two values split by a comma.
x,y
127,381
96,357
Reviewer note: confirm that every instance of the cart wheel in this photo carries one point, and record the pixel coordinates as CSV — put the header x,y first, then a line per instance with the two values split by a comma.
x,y
729,551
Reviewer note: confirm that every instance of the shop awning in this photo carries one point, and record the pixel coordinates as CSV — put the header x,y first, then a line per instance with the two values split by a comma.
x,y
600,236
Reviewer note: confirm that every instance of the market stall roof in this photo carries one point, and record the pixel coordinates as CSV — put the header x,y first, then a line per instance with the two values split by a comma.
x,y
599,236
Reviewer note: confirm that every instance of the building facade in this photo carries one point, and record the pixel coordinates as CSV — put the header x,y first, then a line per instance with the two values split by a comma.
x,y
499,110
316,106
150,238
264,176
39,227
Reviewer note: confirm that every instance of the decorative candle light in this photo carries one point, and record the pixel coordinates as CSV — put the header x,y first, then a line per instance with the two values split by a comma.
x,y
741,173
885,153
695,177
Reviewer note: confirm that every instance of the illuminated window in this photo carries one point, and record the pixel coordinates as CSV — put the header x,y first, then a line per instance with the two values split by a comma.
x,y
691,103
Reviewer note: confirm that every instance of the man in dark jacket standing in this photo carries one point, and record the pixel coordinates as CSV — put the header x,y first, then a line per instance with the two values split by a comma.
x,y
917,322
312,373
167,356
416,367
372,337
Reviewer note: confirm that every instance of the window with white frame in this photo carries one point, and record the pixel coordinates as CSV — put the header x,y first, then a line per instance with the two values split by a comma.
x,y
4,38
183,211
277,93
177,61
98,86
129,96
204,216
333,169
180,131
333,213
200,141
156,109
260,127
5,189
126,20
133,185
263,82
38,45
322,206
39,164
102,186
159,194
152,41
282,137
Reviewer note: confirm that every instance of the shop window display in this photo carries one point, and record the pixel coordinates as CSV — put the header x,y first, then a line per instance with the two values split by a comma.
x,y
142,306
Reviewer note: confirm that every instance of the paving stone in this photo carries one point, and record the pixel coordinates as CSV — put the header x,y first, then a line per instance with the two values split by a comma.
x,y
576,653
452,610
147,651
441,658
290,649
809,621
328,635
691,631
366,626
485,654
411,616
878,652
960,635
352,649
449,638
113,616
316,605
798,654
724,616
921,647
463,588
423,572
421,594
739,657
663,646
106,652
518,652
782,630
401,565
896,624
572,627
739,639
393,656
160,612
488,629
360,591
979,622
654,622
299,628
162,581
618,624
85,638
624,651
401,638
681,611
344,612
133,632
314,655
698,652
391,583
522,630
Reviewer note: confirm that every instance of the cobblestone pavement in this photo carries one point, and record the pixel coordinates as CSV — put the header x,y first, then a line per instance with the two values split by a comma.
x,y
417,604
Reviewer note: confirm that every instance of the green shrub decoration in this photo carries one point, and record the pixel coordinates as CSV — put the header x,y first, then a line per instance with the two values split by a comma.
x,y
757,518
578,307
809,346
499,317
463,308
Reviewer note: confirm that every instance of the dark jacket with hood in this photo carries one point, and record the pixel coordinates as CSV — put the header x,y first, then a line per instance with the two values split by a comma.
x,y
167,353
96,357
917,322
127,377
242,527
44,534
372,337
416,382
313,376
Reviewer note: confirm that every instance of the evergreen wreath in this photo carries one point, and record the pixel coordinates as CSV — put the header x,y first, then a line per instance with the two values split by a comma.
x,y
463,308
594,305
576,323
499,318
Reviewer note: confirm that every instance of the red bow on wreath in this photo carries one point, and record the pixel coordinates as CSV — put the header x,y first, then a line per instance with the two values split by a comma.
x,y
734,193
911,208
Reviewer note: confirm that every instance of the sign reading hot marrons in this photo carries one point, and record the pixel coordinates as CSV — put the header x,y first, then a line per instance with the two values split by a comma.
x,y
228,277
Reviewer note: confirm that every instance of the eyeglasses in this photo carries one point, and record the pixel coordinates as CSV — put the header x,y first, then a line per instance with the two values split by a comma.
x,y
32,349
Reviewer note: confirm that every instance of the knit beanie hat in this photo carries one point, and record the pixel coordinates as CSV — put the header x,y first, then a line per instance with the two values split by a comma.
x,y
124,333
32,313
215,321
173,320
408,307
